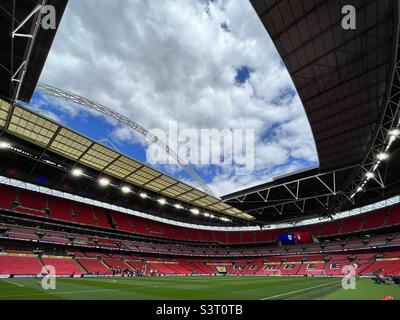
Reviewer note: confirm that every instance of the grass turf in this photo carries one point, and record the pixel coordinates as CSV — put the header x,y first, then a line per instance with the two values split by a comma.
x,y
208,288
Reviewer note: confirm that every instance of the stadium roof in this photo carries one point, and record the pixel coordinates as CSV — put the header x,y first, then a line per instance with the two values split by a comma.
x,y
22,56
348,83
348,80
22,59
59,140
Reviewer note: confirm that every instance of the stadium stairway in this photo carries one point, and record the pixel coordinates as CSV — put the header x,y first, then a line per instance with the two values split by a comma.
x,y
116,263
104,264
81,267
93,265
365,266
112,222
136,265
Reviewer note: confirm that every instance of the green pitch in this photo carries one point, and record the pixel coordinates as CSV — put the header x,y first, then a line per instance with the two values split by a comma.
x,y
237,288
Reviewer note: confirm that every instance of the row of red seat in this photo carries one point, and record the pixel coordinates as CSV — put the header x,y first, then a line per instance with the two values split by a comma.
x,y
20,265
34,203
333,266
311,265
13,232
31,264
94,266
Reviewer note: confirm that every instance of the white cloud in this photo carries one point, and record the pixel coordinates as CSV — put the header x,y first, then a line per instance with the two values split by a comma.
x,y
157,61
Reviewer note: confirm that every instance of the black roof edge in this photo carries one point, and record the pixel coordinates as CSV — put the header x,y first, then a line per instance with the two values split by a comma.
x,y
40,51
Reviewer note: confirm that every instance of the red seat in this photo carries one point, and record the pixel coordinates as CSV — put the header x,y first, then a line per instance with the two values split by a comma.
x,y
33,203
389,268
234,237
248,237
60,208
83,214
394,216
116,263
122,221
20,265
330,228
33,200
94,266
220,236
101,216
7,195
374,220
65,266
262,236
351,224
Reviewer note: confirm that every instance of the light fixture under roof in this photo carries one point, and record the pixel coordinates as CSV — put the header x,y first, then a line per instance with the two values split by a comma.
x,y
104,182
76,172
394,132
206,214
359,189
382,156
126,189
178,206
162,201
143,195
370,175
195,211
4,145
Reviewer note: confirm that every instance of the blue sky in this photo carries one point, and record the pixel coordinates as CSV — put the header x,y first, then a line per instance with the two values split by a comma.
x,y
205,65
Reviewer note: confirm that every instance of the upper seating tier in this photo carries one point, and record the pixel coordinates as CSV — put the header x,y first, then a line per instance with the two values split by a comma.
x,y
36,204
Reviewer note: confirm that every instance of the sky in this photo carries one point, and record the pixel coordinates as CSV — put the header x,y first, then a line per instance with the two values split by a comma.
x,y
199,64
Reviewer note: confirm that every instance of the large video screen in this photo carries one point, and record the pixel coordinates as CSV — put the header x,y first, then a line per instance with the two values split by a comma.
x,y
293,238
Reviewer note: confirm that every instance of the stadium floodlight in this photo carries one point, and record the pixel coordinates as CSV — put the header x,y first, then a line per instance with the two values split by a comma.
x,y
394,132
76,172
178,206
4,145
126,189
370,175
382,156
359,189
143,195
206,214
162,201
104,182
195,211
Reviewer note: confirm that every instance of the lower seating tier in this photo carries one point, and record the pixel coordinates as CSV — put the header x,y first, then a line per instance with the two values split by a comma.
x,y
387,264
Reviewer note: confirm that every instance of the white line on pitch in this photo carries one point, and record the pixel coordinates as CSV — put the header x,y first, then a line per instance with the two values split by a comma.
x,y
14,283
55,293
296,291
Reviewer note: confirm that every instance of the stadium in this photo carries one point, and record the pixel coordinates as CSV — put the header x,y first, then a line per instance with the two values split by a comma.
x,y
107,226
